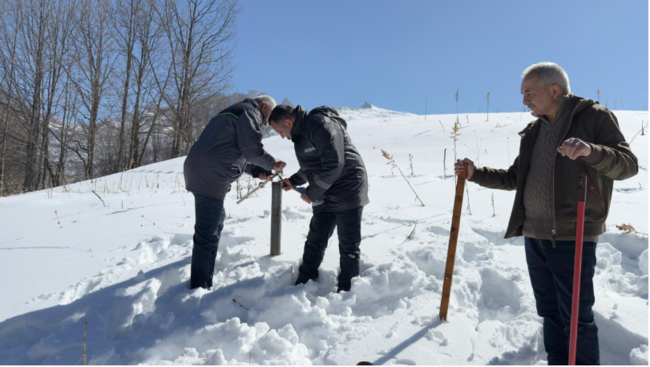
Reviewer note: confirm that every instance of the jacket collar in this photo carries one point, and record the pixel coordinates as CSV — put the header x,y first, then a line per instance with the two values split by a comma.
x,y
562,108
571,105
253,103
296,131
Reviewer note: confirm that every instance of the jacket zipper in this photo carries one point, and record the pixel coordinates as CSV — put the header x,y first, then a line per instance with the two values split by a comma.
x,y
554,230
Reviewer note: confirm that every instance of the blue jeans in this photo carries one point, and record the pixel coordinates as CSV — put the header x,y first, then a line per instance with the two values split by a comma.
x,y
551,275
210,215
321,228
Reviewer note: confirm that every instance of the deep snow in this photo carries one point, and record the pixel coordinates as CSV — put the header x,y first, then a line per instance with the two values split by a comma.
x,y
123,268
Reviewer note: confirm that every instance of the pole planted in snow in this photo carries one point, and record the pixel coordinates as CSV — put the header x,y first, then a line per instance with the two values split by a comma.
x,y
276,218
577,269
453,240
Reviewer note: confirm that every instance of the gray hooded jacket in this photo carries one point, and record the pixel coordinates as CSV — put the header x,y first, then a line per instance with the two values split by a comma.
x,y
230,145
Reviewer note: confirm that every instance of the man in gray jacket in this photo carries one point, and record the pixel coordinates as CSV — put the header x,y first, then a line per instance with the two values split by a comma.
x,y
338,185
230,145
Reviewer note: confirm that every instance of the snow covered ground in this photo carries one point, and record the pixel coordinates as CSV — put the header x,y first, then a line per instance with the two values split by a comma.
x,y
123,268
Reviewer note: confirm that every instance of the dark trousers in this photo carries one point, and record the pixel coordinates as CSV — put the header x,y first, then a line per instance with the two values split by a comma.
x,y
321,228
210,215
551,274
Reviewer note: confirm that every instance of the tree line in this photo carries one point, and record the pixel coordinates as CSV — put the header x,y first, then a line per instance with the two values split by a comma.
x,y
94,87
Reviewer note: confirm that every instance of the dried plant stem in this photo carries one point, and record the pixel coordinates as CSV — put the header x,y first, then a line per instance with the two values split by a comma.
x,y
100,198
407,181
391,161
444,164
494,212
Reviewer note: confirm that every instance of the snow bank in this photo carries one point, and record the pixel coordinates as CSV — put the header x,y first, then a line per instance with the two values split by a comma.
x,y
124,268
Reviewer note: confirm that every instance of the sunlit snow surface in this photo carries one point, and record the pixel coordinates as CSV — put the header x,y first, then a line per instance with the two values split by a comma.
x,y
123,268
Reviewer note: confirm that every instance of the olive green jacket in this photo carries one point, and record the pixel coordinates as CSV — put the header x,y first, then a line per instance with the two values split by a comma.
x,y
611,159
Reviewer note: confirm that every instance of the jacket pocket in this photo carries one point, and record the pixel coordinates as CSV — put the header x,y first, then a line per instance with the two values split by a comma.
x,y
594,190
567,188
235,171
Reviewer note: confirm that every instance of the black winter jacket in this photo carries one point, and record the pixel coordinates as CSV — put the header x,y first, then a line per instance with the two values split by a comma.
x,y
328,161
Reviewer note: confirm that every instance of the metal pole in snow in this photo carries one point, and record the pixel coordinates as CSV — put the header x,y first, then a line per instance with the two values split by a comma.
x,y
276,218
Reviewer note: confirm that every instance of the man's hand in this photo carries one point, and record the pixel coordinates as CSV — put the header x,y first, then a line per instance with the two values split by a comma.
x,y
264,177
304,197
459,167
279,165
574,148
286,185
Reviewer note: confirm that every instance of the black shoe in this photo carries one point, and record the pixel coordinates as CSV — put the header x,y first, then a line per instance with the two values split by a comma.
x,y
204,286
301,280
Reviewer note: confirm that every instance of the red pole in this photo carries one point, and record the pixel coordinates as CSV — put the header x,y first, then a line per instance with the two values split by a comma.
x,y
577,269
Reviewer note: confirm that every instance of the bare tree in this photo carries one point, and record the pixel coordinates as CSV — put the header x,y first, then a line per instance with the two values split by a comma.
x,y
5,130
58,47
7,66
127,11
153,126
94,87
94,64
148,37
157,140
31,19
39,32
199,34
69,107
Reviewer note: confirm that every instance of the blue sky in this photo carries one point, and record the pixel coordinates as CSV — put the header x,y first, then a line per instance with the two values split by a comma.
x,y
394,54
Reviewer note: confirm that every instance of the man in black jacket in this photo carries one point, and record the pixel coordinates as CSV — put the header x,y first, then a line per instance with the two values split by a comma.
x,y
338,185
230,145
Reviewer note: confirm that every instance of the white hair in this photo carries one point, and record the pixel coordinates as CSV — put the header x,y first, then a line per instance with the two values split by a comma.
x,y
549,73
264,99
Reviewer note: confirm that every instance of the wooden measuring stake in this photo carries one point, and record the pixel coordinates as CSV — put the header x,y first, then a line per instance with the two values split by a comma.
x,y
453,239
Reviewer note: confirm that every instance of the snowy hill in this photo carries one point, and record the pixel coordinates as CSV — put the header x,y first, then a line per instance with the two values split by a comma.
x,y
119,260
370,112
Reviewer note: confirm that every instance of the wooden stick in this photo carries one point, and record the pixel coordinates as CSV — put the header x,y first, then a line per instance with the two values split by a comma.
x,y
261,186
453,239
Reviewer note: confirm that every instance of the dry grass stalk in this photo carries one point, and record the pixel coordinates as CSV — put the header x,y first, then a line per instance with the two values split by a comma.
x,y
626,228
391,161
100,198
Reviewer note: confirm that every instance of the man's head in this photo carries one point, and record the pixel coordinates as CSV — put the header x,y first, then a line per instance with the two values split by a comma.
x,y
282,120
267,104
543,86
